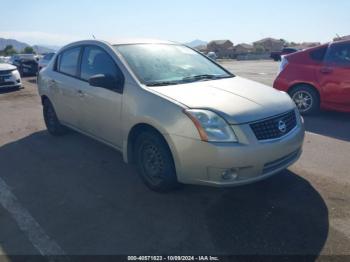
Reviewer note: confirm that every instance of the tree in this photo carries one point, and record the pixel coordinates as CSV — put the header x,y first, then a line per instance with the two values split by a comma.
x,y
9,51
259,49
28,50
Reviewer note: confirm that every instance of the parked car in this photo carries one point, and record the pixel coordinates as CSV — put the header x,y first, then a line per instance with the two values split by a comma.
x,y
9,76
318,77
4,59
43,62
26,64
277,56
173,112
212,55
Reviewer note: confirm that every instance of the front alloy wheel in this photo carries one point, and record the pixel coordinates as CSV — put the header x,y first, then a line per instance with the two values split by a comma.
x,y
306,99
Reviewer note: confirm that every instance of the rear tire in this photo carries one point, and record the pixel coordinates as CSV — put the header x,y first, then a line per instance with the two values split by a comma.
x,y
154,162
53,125
306,98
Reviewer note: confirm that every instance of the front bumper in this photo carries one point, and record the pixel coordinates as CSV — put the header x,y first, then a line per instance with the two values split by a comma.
x,y
232,164
10,81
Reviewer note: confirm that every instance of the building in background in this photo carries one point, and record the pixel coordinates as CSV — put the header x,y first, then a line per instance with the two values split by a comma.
x,y
269,44
306,45
222,48
243,48
340,38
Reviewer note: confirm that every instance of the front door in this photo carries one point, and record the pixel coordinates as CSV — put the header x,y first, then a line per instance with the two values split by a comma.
x,y
100,107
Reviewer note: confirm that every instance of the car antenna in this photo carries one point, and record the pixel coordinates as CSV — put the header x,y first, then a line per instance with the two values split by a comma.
x,y
93,36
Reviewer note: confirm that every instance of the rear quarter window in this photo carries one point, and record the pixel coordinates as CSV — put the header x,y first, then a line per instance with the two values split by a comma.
x,y
67,62
318,54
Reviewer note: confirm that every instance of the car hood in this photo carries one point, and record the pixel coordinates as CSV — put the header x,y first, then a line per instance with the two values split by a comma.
x,y
236,99
7,67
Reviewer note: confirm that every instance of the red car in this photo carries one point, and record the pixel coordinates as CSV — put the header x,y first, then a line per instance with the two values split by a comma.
x,y
317,78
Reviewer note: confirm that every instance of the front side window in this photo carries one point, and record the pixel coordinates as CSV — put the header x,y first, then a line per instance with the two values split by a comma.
x,y
68,61
96,61
339,54
168,64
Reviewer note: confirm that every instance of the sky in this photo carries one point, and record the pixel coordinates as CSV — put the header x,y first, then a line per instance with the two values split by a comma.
x,y
62,21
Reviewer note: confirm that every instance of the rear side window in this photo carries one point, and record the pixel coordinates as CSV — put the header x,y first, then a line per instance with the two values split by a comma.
x,y
68,61
96,61
318,54
339,54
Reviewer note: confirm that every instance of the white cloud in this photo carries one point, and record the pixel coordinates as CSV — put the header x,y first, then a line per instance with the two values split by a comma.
x,y
42,38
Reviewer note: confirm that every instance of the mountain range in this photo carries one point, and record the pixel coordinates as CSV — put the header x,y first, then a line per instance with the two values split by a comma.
x,y
196,43
19,46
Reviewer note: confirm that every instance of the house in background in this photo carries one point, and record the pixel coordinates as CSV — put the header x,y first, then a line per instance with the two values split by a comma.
x,y
201,48
243,49
306,45
270,44
222,48
340,38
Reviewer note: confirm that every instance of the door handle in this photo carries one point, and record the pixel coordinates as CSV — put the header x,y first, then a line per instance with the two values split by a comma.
x,y
80,93
326,70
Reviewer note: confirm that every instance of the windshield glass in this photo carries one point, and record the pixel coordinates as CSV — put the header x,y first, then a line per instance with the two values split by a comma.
x,y
166,64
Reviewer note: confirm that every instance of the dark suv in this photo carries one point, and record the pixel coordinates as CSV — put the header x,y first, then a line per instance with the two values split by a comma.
x,y
26,64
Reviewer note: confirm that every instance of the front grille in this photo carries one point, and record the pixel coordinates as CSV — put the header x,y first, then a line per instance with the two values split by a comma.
x,y
7,83
274,127
5,72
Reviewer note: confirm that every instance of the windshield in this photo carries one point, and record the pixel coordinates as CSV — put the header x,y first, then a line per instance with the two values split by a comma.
x,y
48,56
166,64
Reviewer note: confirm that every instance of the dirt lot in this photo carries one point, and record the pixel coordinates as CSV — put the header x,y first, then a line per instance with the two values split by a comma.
x,y
72,195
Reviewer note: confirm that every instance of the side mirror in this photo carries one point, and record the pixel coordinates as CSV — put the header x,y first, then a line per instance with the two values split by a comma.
x,y
106,81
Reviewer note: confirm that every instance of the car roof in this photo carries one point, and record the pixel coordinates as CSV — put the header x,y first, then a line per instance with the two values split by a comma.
x,y
130,41
340,42
121,41
117,42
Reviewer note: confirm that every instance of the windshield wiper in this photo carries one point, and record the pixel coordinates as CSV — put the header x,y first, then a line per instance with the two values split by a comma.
x,y
162,83
204,77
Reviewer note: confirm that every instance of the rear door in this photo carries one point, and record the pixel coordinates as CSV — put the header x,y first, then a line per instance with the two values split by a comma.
x,y
335,75
100,107
64,87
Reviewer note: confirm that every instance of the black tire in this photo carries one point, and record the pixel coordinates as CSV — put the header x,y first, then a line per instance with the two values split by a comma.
x,y
53,125
306,98
154,162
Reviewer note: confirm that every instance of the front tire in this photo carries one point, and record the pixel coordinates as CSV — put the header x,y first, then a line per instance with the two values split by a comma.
x,y
306,98
154,162
53,125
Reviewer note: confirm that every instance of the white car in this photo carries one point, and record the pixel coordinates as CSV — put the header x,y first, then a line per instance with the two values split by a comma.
x,y
9,76
212,55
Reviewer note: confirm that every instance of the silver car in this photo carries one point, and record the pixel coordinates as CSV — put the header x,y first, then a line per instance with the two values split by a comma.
x,y
171,111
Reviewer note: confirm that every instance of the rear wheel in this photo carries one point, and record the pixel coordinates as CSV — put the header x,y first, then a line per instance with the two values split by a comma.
x,y
53,125
306,98
154,162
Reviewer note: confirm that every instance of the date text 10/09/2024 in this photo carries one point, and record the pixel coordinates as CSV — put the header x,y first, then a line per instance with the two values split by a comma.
x,y
173,258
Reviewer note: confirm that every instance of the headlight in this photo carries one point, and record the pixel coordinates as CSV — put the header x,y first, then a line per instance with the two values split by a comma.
x,y
16,74
211,127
